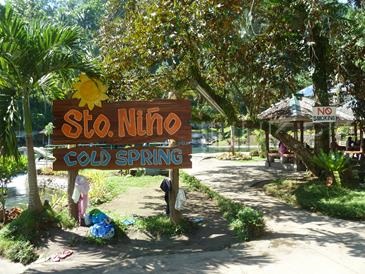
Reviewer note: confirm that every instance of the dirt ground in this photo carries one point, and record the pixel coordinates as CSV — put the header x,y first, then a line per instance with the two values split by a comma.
x,y
212,234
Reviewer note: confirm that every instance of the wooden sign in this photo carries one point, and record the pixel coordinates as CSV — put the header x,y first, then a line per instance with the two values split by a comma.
x,y
130,122
122,158
324,114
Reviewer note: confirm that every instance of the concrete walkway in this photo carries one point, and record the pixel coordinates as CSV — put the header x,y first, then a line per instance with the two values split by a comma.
x,y
297,241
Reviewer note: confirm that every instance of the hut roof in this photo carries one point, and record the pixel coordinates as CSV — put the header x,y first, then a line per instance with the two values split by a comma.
x,y
292,109
289,110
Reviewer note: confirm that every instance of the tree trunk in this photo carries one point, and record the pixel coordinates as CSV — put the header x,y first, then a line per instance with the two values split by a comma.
x,y
232,139
72,207
34,198
222,132
319,57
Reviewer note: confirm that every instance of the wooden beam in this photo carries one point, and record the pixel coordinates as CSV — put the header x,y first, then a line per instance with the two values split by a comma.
x,y
267,145
72,206
175,215
361,137
296,130
301,125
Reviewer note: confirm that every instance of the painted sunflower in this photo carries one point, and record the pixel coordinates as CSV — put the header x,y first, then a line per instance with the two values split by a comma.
x,y
91,91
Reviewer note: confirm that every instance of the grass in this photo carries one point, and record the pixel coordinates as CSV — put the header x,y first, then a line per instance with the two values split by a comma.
x,y
283,189
18,239
161,225
106,185
246,222
335,201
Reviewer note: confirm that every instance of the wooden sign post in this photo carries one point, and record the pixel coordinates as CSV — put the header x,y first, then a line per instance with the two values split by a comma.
x,y
117,136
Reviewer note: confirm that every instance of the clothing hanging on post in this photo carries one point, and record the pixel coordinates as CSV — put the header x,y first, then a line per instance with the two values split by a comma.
x,y
166,187
81,195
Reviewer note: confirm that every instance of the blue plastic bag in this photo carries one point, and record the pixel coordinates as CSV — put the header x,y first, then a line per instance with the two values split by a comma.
x,y
102,230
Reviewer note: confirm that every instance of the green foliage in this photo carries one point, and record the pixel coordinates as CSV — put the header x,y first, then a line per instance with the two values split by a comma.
x,y
241,156
260,137
161,225
17,239
152,47
338,202
18,251
29,225
333,201
64,220
246,222
10,119
350,46
333,163
32,55
10,166
99,192
282,189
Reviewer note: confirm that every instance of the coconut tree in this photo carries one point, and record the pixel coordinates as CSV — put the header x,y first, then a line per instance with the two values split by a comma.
x,y
31,56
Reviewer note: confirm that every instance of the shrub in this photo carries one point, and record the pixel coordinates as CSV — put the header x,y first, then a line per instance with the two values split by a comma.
x,y
29,225
241,156
17,238
11,167
65,220
99,192
246,222
21,251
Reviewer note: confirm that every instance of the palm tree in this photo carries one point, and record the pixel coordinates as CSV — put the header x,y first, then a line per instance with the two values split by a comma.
x,y
31,55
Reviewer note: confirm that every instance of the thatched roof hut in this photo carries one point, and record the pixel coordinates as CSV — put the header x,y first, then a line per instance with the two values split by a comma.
x,y
301,110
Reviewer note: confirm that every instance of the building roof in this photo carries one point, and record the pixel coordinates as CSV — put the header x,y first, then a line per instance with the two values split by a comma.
x,y
293,109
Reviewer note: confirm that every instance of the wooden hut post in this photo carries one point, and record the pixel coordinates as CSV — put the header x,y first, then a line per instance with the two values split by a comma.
x,y
301,126
355,132
296,130
267,145
361,137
